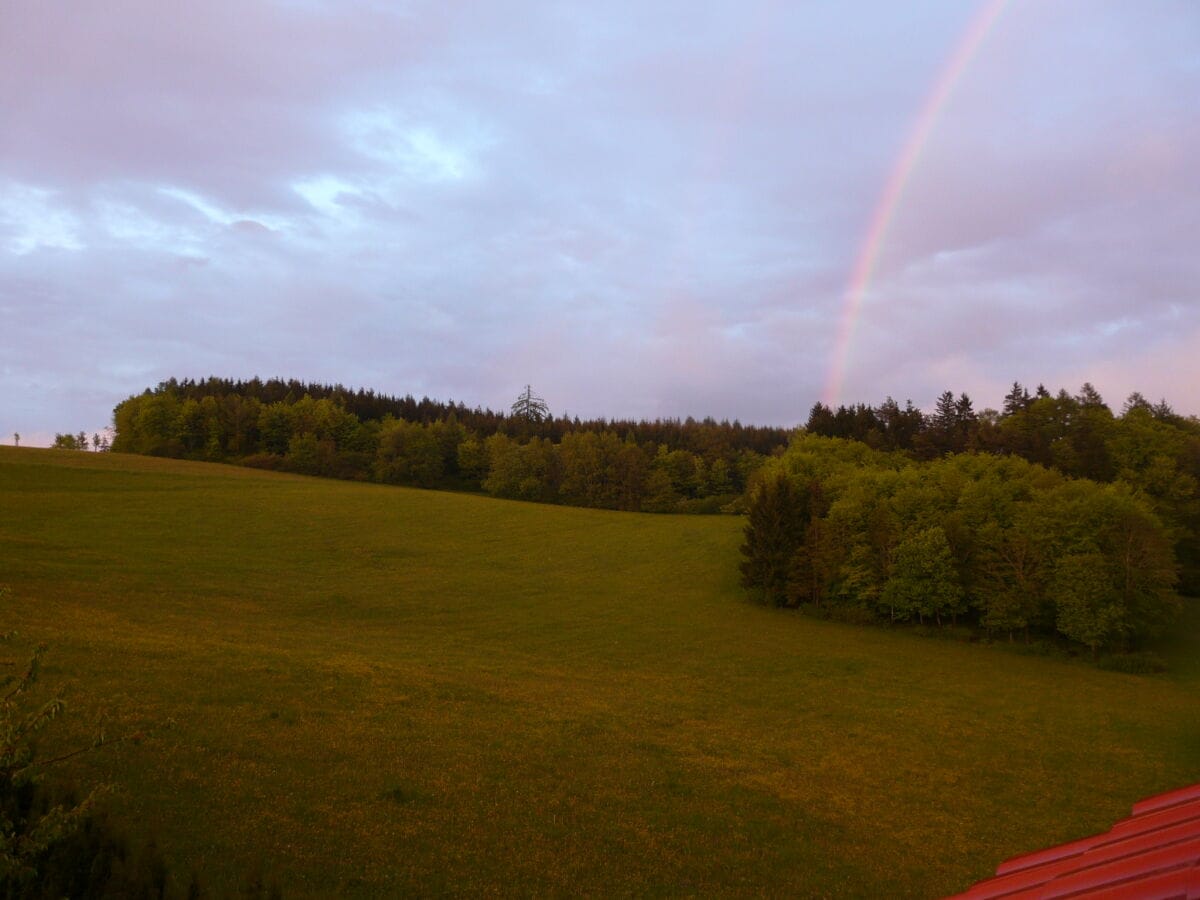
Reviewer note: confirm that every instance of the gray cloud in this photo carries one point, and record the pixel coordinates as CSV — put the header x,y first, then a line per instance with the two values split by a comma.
x,y
641,209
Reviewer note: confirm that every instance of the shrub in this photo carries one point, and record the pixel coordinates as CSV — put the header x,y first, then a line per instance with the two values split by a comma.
x,y
271,461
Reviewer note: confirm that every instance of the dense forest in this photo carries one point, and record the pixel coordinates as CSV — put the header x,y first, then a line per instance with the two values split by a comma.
x,y
529,454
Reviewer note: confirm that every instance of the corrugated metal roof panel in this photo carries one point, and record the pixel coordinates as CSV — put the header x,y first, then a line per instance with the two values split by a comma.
x,y
1154,854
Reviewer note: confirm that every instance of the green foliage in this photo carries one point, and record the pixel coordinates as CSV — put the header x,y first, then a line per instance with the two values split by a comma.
x,y
30,832
1088,607
307,455
813,568
70,441
923,579
93,860
989,540
1140,663
601,470
472,460
276,424
53,844
552,684
518,471
1010,589
660,494
409,453
663,466
779,513
1147,447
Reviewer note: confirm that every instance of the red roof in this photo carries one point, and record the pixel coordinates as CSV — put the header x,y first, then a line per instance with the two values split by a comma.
x,y
1154,854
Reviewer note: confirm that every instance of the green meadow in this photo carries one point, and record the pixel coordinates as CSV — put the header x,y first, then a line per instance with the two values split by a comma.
x,y
367,690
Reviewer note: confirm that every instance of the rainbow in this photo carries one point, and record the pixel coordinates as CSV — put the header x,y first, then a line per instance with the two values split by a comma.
x,y
885,210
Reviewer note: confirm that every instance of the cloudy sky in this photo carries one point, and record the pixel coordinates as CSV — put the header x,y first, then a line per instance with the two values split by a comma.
x,y
641,208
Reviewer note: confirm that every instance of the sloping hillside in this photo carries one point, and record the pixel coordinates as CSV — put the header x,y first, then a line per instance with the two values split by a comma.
x,y
370,689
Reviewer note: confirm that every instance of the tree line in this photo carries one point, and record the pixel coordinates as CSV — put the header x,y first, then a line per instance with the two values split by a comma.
x,y
664,465
661,466
1010,546
1148,447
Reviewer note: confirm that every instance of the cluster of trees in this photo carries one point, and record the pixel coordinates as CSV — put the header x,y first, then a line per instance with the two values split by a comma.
x,y
1067,431
664,466
1148,447
99,442
995,541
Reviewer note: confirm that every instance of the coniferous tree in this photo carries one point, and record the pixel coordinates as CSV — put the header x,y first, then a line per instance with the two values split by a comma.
x,y
1089,398
777,520
1017,400
1135,401
813,565
945,413
530,407
965,420
944,435
820,420
1163,411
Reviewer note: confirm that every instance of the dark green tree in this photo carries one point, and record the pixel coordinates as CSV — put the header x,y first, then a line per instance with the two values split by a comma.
x,y
1089,609
814,564
409,453
821,420
27,833
779,515
1089,398
68,442
948,426
1017,400
1135,401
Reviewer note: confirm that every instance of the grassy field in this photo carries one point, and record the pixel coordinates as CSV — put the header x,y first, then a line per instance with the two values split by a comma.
x,y
371,690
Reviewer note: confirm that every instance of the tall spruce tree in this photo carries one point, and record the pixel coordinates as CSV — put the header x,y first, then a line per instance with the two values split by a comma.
x,y
1017,400
779,514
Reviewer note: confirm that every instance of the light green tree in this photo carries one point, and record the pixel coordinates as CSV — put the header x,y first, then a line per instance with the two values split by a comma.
x,y
923,579
472,460
1089,609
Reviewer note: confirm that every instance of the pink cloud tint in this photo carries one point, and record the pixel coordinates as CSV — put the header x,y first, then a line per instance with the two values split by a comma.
x,y
641,209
